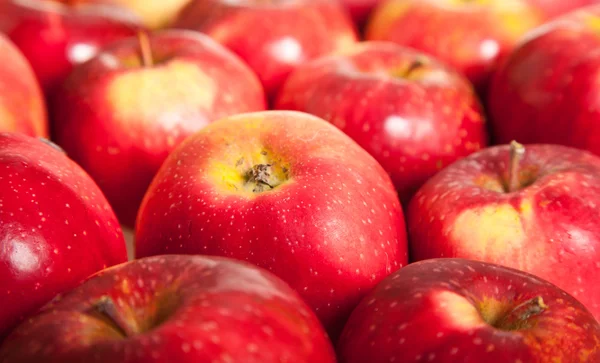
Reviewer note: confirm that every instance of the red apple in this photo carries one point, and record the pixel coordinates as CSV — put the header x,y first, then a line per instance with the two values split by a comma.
x,y
413,114
457,310
173,309
360,9
546,91
119,118
472,36
56,227
288,192
22,105
55,35
273,36
534,209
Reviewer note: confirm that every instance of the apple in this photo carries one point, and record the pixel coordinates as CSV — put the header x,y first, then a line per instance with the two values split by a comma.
x,y
56,35
286,191
120,114
173,309
360,9
412,113
56,227
546,90
154,14
459,310
22,105
533,208
273,36
469,35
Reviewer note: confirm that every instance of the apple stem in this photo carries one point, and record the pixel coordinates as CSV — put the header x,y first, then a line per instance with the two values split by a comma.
x,y
517,317
145,48
517,152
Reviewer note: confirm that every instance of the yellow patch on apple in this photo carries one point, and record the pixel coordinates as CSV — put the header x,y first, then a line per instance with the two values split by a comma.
x,y
458,310
491,230
593,21
143,93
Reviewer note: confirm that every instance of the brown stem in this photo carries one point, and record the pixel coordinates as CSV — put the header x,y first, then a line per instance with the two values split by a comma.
x,y
145,48
517,152
517,317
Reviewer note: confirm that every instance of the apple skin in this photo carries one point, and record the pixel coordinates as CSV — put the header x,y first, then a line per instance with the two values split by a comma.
x,y
174,309
548,227
413,114
546,90
120,119
332,227
296,31
470,36
457,310
56,227
22,104
55,36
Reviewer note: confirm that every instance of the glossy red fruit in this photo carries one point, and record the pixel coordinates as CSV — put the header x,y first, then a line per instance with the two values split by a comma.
x,y
546,92
22,105
174,309
457,310
56,227
413,114
56,35
119,118
274,36
542,219
286,191
471,36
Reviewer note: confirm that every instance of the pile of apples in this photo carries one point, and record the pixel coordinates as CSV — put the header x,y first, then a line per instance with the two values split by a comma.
x,y
299,181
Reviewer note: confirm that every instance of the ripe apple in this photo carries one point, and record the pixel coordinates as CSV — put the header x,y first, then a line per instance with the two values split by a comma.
x,y
472,36
546,90
173,309
457,310
413,114
286,191
533,208
22,105
273,36
120,116
56,227
55,35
